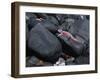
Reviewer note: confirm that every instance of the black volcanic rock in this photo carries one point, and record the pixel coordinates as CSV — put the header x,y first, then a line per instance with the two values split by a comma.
x,y
44,43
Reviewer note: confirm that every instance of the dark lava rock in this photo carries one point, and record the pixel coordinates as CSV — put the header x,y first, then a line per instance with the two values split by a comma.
x,y
32,22
30,15
80,30
27,33
82,60
31,61
71,47
48,25
44,43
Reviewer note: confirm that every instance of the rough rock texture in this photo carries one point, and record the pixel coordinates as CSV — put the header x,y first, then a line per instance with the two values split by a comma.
x,y
44,46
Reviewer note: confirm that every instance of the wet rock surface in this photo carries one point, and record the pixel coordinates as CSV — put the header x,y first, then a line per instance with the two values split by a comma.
x,y
56,39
